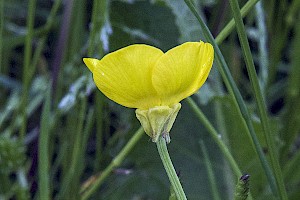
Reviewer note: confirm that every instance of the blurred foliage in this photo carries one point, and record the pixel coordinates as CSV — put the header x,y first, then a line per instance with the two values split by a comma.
x,y
85,131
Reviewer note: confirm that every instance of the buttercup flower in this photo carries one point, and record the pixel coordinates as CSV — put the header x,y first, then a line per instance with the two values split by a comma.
x,y
143,77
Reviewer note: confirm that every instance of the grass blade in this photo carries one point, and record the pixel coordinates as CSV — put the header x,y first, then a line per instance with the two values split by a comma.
x,y
87,191
210,172
43,158
258,97
27,59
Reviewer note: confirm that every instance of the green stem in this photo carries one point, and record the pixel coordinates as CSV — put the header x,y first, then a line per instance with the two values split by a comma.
x,y
214,134
27,58
291,126
40,47
259,98
100,109
231,24
87,192
93,29
17,40
237,98
99,14
97,23
165,157
210,172
43,158
69,186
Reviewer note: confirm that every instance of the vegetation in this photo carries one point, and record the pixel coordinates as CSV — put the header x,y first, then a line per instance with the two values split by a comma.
x,y
61,138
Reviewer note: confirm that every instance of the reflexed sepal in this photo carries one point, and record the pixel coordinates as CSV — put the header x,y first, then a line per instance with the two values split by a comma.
x,y
158,120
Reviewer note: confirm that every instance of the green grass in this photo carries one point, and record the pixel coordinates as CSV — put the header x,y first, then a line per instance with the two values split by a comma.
x,y
61,138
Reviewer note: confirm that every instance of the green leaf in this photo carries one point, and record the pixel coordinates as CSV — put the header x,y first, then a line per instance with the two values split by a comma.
x,y
187,24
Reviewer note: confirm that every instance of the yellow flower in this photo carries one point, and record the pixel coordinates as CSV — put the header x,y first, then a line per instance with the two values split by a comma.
x,y
143,77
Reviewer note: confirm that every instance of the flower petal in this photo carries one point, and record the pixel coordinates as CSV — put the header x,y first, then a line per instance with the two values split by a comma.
x,y
90,63
181,71
124,76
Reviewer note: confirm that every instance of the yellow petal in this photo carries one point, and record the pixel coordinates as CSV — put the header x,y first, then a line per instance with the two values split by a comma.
x,y
90,63
181,71
124,76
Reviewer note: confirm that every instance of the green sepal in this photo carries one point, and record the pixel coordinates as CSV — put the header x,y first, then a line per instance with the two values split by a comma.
x,y
158,120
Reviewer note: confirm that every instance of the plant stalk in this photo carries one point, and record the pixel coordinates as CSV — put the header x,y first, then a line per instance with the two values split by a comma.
x,y
165,158
96,182
259,98
27,59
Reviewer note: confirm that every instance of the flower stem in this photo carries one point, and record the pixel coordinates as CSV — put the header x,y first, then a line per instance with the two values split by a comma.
x,y
165,157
